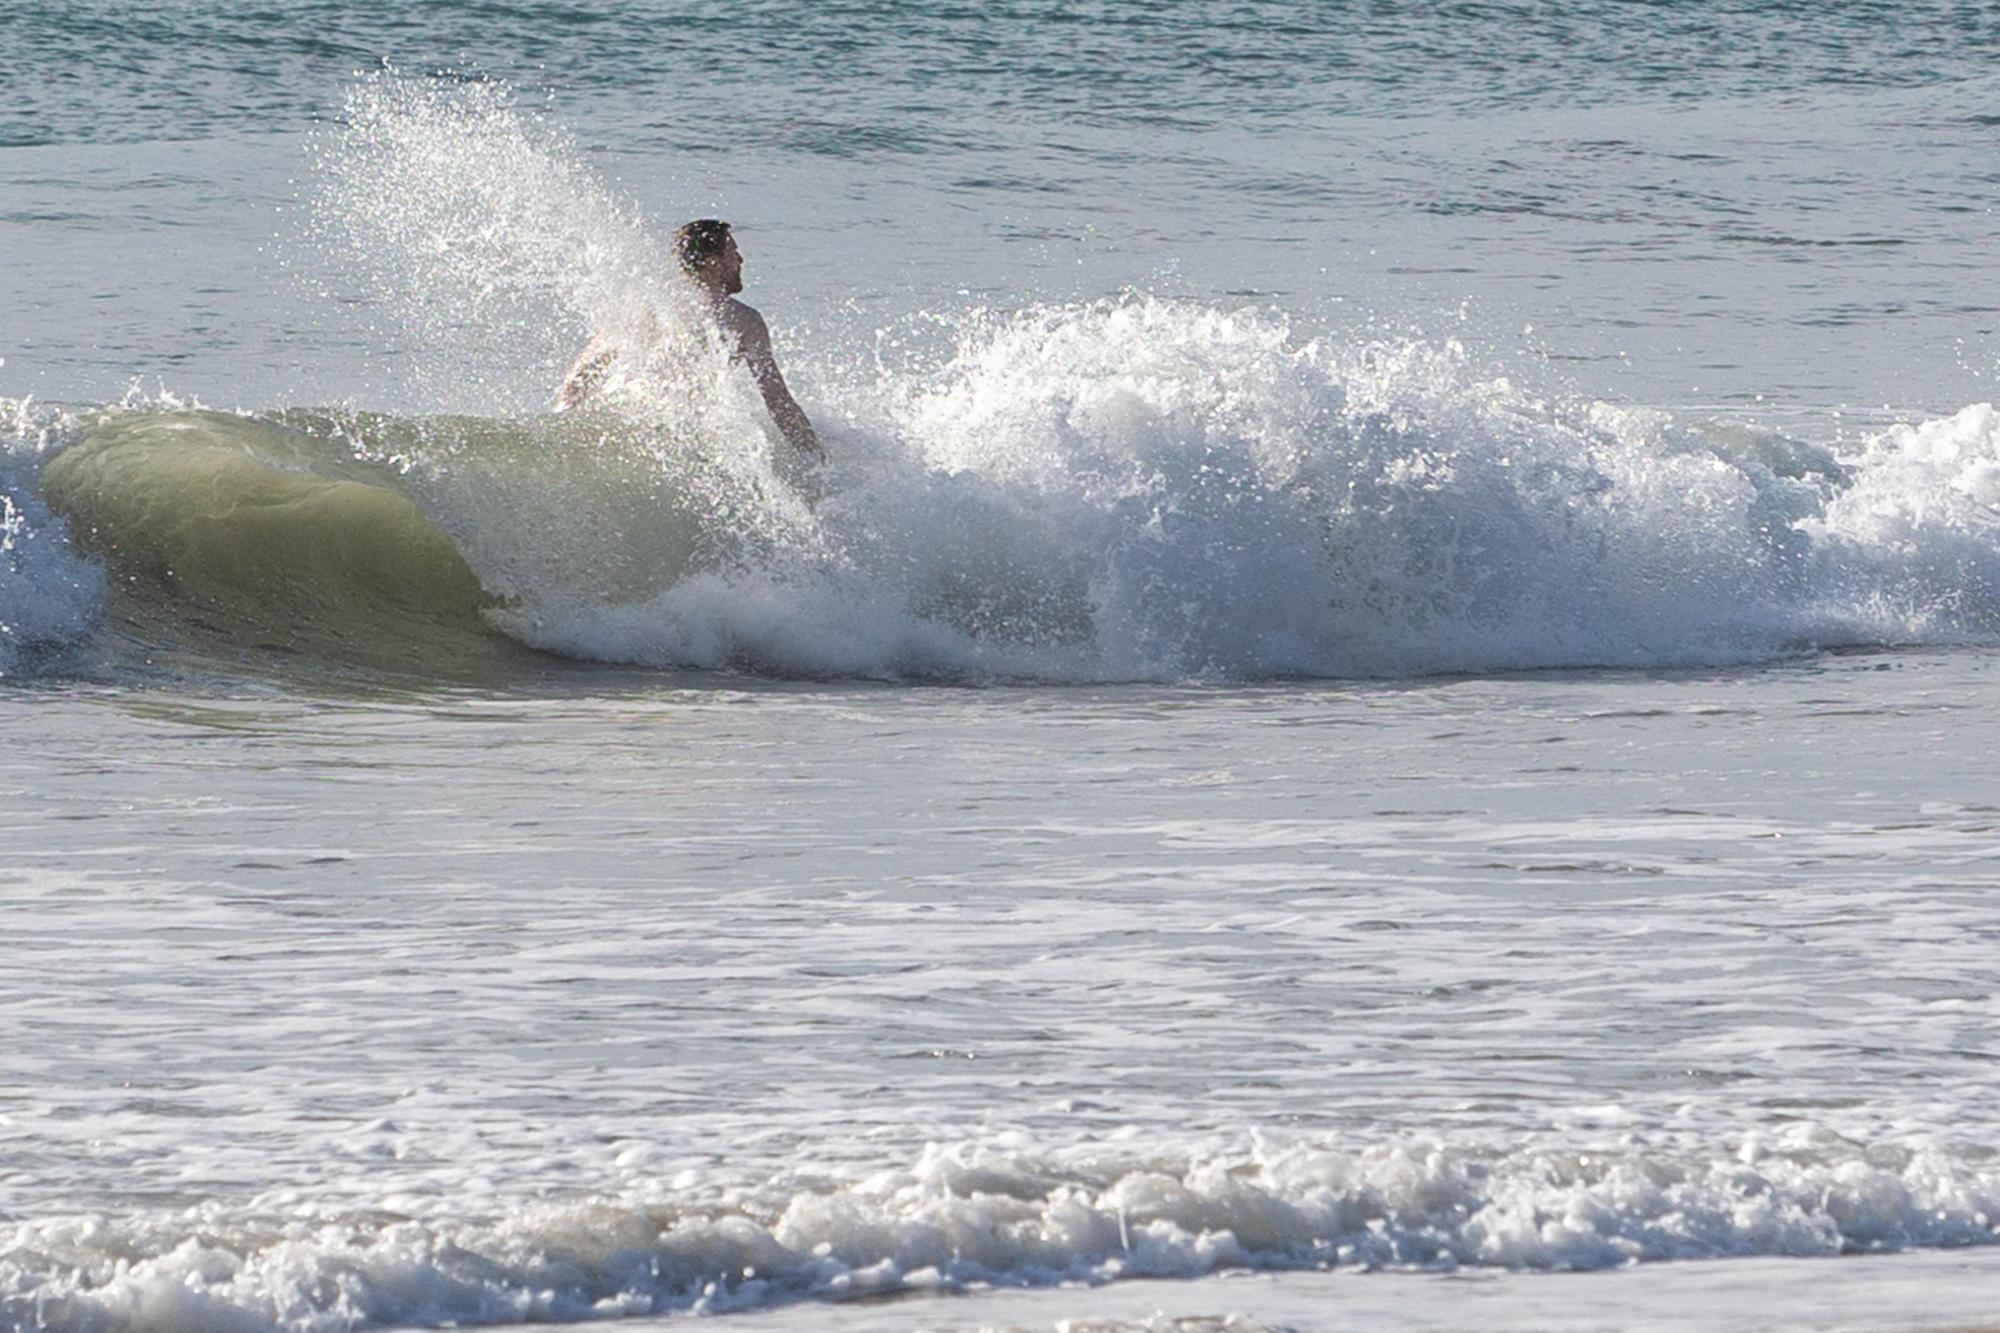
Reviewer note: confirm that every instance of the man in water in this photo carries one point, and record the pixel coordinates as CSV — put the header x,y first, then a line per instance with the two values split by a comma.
x,y
709,256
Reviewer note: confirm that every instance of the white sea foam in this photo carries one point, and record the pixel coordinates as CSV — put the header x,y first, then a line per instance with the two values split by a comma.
x,y
1145,489
1912,548
965,1217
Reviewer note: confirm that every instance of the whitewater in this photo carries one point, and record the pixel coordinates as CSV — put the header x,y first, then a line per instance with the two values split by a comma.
x,y
1133,490
1382,703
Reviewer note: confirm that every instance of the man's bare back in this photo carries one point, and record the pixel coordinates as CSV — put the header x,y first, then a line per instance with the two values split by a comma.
x,y
709,255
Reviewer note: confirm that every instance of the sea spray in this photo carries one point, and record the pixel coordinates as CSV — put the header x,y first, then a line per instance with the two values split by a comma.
x,y
1149,489
51,597
479,231
495,248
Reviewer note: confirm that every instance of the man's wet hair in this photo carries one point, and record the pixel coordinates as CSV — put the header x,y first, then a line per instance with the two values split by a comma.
x,y
700,241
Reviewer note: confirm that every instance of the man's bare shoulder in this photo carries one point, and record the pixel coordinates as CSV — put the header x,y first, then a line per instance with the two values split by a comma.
x,y
743,320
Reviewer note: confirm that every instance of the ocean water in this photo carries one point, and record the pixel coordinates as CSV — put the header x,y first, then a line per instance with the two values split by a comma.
x,y
1381,717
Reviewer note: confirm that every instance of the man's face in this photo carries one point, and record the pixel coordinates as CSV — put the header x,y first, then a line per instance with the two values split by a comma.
x,y
728,266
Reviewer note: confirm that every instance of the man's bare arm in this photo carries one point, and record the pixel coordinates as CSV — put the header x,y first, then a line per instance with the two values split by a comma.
x,y
754,337
586,374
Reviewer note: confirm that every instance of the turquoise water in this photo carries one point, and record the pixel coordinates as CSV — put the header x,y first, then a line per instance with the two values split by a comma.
x,y
195,70
1383,700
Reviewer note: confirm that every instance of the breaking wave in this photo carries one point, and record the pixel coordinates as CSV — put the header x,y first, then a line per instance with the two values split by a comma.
x,y
968,1218
1130,490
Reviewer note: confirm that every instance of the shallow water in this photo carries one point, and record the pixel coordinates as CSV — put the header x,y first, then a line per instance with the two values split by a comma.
x,y
1545,971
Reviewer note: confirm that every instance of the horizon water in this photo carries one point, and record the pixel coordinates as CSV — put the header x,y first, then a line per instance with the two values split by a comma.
x,y
1382,704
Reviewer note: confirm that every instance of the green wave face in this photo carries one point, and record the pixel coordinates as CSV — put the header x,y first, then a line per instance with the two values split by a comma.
x,y
356,544
256,540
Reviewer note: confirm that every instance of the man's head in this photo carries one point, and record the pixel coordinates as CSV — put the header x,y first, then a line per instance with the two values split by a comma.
x,y
708,252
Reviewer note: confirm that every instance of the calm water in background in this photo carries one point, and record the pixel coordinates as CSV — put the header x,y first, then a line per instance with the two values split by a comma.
x,y
342,996
1739,205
